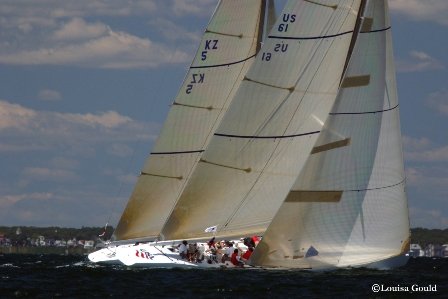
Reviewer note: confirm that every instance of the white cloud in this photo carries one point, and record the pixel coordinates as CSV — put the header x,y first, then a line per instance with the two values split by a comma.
x,y
64,163
69,208
412,144
15,116
80,8
9,200
435,154
48,174
120,150
418,61
422,10
129,179
49,95
193,7
117,50
425,177
109,119
439,101
24,129
171,31
78,29
428,218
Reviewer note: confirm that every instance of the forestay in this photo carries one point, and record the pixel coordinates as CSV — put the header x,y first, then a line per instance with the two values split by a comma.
x,y
272,124
226,51
348,206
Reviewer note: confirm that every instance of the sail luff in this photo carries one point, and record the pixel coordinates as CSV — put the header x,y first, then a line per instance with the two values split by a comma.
x,y
227,48
251,162
353,209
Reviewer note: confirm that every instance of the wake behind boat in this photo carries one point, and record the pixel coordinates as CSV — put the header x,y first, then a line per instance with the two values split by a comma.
x,y
297,140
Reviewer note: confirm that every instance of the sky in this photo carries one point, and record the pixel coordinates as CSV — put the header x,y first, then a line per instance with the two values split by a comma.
x,y
85,86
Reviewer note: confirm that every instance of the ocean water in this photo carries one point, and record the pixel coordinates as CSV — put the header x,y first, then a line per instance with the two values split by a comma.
x,y
60,276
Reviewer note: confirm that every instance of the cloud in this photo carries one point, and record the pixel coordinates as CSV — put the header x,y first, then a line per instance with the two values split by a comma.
x,y
418,61
415,144
428,218
439,101
424,177
434,154
423,150
57,33
24,129
120,150
193,7
50,9
68,208
49,95
173,32
15,116
78,29
48,174
418,10
9,200
130,179
115,50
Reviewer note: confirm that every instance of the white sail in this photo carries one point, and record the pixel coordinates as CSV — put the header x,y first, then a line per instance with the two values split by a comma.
x,y
348,207
272,124
226,51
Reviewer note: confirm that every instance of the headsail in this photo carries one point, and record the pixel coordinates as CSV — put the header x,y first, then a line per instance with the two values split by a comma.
x,y
224,55
349,202
263,141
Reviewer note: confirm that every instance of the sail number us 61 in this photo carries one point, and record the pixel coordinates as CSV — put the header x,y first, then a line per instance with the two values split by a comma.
x,y
282,27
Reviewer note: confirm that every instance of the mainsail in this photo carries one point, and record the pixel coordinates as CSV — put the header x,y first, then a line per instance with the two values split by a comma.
x,y
272,124
226,51
348,206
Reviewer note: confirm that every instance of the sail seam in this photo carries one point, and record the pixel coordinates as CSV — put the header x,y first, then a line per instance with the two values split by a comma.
x,y
353,190
223,64
310,37
291,89
266,137
367,112
378,188
177,153
377,30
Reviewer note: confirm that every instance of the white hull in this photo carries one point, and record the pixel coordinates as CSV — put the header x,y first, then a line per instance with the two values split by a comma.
x,y
390,263
150,255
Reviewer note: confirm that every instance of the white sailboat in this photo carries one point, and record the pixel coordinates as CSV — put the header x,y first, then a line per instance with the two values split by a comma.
x,y
308,153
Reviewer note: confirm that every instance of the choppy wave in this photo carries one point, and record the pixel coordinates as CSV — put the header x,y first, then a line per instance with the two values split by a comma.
x,y
47,276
